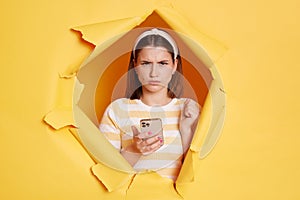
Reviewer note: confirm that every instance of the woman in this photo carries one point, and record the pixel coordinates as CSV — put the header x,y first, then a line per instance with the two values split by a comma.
x,y
154,88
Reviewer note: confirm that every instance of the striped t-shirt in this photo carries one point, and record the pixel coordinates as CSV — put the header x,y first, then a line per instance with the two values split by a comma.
x,y
123,113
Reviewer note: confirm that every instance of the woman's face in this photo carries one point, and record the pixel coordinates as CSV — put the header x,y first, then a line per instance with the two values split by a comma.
x,y
155,67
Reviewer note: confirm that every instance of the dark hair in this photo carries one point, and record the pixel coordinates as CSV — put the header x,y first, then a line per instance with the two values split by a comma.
x,y
134,87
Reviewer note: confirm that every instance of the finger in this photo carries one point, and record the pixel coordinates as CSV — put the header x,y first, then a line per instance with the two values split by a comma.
x,y
139,141
135,131
141,147
187,101
182,115
154,147
146,144
146,150
185,112
185,104
191,109
152,140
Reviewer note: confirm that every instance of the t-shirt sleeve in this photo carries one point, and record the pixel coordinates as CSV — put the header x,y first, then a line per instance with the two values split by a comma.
x,y
109,128
182,100
196,103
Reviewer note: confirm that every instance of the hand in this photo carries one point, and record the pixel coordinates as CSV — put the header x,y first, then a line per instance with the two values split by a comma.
x,y
144,144
188,121
189,115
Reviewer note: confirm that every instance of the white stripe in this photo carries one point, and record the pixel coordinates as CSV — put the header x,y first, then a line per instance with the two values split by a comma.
x,y
171,120
115,143
140,107
105,128
174,149
172,133
136,120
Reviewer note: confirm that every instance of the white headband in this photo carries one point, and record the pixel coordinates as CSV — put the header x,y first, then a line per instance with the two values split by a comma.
x,y
163,34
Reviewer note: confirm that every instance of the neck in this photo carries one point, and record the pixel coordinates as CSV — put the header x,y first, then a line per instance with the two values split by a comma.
x,y
155,99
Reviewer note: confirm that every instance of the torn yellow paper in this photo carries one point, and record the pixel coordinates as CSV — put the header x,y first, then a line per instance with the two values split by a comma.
x,y
107,32
216,100
78,87
101,150
69,75
112,169
94,67
209,46
111,178
211,119
203,125
148,186
261,143
187,173
60,117
100,32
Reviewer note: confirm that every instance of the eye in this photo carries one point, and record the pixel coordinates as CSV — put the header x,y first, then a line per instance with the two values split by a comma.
x,y
164,63
145,63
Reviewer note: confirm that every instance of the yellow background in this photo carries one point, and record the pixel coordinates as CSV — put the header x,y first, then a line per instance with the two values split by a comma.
x,y
257,156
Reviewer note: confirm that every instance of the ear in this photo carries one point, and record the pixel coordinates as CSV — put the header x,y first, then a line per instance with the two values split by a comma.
x,y
175,66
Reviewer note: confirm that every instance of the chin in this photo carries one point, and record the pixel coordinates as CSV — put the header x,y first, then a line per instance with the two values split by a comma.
x,y
154,88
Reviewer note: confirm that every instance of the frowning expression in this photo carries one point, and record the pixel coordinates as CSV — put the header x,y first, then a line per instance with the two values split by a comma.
x,y
155,67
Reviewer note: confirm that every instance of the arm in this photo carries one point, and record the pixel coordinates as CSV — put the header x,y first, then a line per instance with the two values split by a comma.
x,y
188,122
109,127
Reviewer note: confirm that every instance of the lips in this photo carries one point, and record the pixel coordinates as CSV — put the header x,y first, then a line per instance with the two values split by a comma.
x,y
154,83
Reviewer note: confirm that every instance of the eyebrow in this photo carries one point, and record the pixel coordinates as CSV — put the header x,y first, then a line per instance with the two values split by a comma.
x,y
145,60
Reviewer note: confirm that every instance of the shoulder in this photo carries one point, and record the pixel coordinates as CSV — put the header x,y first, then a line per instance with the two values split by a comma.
x,y
122,104
123,101
181,101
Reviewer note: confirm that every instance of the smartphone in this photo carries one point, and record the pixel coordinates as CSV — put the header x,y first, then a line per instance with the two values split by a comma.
x,y
151,127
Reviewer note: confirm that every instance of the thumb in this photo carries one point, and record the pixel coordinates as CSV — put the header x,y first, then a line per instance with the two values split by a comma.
x,y
135,131
184,112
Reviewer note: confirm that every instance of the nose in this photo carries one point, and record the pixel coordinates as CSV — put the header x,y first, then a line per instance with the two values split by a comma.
x,y
153,72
